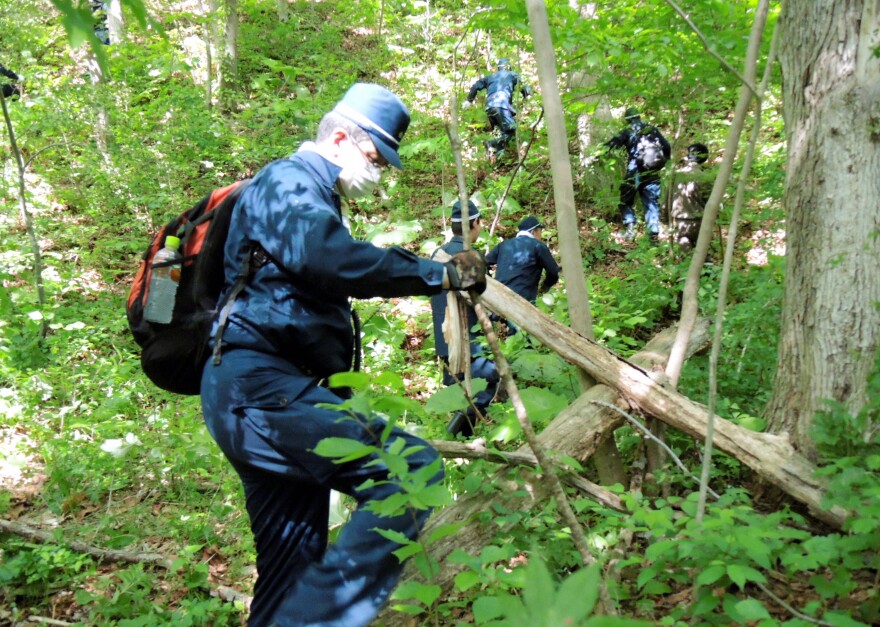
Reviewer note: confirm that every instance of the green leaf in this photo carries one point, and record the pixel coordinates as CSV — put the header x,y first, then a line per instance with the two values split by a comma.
x,y
841,619
490,608
406,552
466,580
657,551
443,531
706,603
472,482
431,496
578,593
540,591
752,609
343,449
426,594
740,574
390,379
646,575
541,404
656,587
394,536
353,380
711,574
753,423
446,400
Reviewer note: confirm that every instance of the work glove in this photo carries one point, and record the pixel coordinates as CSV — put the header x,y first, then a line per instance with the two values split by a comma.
x,y
467,104
467,271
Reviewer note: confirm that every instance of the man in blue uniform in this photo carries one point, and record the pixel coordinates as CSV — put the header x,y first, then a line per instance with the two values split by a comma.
x,y
289,329
499,87
463,422
647,152
521,261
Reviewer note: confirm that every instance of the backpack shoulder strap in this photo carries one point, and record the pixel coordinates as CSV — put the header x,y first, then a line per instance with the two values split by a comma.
x,y
253,261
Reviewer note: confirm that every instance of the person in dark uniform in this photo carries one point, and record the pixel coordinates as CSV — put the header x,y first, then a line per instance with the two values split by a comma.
x,y
500,88
463,422
101,30
522,260
690,191
266,403
8,89
641,177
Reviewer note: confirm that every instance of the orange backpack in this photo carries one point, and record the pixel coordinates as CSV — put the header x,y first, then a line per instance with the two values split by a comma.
x,y
174,354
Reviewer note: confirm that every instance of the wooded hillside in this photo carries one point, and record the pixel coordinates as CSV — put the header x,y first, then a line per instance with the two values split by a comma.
x,y
687,434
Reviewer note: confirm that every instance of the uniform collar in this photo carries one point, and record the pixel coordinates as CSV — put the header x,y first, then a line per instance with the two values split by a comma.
x,y
326,172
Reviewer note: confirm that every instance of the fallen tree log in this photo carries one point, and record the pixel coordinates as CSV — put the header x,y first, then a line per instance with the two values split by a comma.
x,y
99,553
576,431
770,455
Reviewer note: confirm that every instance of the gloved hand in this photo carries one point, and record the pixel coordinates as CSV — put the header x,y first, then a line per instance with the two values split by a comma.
x,y
467,104
467,271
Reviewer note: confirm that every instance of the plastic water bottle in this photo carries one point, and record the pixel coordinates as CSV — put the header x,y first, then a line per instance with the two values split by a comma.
x,y
163,282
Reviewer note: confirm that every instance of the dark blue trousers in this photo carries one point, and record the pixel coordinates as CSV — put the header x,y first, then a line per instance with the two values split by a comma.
x,y
648,188
504,122
481,368
264,414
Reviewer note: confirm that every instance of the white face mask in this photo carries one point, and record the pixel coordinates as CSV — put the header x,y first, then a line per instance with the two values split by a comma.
x,y
358,177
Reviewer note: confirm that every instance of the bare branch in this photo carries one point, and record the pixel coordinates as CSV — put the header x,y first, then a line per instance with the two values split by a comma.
x,y
709,49
476,449
655,439
105,555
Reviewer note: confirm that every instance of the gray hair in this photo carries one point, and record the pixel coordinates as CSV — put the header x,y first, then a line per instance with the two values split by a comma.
x,y
333,120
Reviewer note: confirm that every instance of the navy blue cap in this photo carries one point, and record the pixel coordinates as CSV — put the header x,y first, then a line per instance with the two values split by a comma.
x,y
529,224
380,113
473,212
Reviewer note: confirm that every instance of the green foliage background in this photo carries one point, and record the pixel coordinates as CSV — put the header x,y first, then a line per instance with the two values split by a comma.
x,y
116,463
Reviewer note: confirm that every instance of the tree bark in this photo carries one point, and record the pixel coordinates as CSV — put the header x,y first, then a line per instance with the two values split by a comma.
x,y
830,319
115,22
230,54
608,462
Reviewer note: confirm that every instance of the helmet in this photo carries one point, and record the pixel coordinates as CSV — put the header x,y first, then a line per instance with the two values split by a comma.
x,y
631,113
504,63
698,152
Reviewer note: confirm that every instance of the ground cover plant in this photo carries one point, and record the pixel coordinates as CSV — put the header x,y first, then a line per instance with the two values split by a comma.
x,y
116,506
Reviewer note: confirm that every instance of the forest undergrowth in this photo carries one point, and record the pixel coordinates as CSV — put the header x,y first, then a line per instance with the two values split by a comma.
x,y
116,506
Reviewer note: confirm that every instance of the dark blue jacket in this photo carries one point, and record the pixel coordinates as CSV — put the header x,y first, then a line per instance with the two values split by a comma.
x,y
519,264
297,306
438,308
499,87
628,138
9,90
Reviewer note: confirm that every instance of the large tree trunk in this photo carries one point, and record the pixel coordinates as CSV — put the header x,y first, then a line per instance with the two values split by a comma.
x,y
608,462
830,319
115,22
230,56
